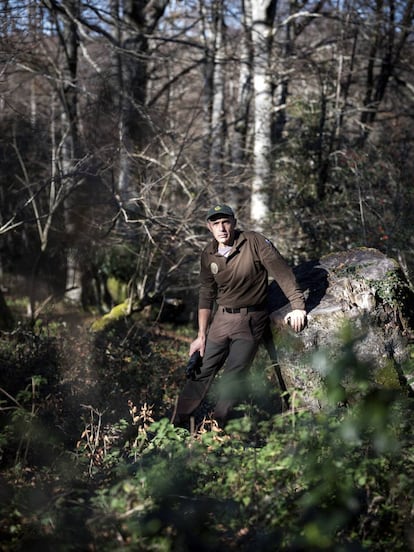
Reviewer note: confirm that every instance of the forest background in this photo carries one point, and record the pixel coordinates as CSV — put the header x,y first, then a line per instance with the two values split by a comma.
x,y
123,121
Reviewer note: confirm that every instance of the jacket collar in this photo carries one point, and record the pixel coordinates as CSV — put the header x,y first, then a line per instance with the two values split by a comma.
x,y
239,240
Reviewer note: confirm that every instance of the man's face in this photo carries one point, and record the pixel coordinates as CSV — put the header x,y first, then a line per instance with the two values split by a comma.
x,y
223,229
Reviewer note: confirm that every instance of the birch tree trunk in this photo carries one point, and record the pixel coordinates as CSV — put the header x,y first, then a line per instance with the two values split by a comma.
x,y
218,121
263,13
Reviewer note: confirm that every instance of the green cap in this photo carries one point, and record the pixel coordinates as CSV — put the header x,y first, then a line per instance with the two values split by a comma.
x,y
220,209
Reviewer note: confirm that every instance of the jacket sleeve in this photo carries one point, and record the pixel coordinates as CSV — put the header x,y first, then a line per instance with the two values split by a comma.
x,y
280,271
208,287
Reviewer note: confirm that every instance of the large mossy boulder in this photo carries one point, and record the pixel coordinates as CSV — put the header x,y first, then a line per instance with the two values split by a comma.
x,y
361,290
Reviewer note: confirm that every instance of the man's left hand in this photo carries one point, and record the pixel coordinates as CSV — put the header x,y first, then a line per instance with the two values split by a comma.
x,y
296,319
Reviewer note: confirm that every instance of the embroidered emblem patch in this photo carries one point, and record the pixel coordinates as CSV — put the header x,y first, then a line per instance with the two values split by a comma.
x,y
214,268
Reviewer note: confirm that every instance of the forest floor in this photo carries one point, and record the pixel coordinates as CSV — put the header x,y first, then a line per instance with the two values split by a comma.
x,y
135,361
128,362
80,472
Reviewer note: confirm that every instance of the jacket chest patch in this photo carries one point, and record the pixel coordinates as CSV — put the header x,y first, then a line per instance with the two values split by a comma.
x,y
214,268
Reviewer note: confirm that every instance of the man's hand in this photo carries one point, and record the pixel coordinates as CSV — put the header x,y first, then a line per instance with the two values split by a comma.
x,y
296,319
198,344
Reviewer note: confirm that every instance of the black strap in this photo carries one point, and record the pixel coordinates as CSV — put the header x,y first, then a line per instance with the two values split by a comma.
x,y
271,349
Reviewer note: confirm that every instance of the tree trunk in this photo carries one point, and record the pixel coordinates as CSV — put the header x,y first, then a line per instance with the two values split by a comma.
x,y
388,40
218,121
263,13
243,108
135,26
70,145
6,317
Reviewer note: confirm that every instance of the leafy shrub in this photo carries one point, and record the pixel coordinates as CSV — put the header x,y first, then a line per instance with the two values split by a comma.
x,y
29,402
317,481
338,479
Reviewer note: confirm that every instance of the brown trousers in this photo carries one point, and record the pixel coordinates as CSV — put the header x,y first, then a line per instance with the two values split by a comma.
x,y
232,342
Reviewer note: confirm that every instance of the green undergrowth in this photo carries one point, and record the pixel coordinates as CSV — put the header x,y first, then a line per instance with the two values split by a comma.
x,y
338,479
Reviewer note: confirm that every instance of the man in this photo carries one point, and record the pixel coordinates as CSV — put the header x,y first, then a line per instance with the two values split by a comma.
x,y
234,273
